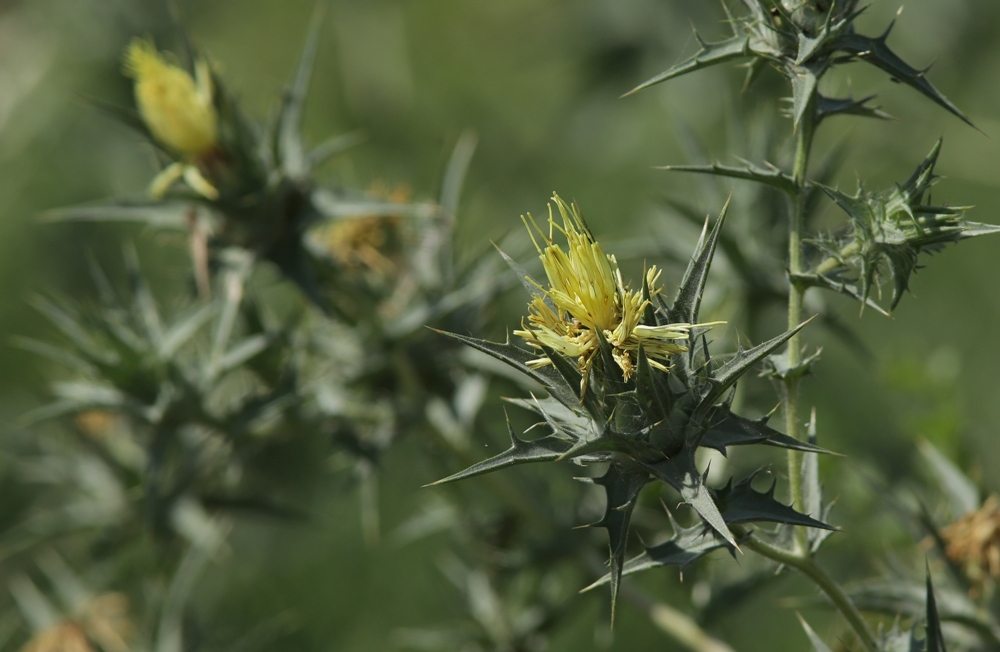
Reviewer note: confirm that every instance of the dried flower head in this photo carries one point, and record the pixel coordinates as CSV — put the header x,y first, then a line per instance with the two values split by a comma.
x,y
586,296
364,243
973,541
178,110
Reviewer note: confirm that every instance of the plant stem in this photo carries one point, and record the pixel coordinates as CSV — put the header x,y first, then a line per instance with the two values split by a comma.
x,y
796,293
826,584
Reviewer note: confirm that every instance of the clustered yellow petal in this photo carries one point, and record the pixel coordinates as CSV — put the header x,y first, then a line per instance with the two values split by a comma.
x,y
177,109
179,112
586,295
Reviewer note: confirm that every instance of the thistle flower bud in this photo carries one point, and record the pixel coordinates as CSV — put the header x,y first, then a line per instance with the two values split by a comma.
x,y
177,108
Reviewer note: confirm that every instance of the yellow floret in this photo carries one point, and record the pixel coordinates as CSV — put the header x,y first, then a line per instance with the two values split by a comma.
x,y
178,111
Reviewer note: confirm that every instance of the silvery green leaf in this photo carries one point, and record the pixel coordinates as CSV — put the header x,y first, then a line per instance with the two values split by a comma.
x,y
518,358
686,546
546,449
827,107
710,54
291,153
622,486
877,52
741,503
769,176
681,473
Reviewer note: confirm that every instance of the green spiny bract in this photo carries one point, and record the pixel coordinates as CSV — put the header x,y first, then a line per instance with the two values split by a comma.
x,y
889,230
647,428
803,41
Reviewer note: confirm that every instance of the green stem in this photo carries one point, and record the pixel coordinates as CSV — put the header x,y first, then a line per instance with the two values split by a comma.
x,y
796,293
824,582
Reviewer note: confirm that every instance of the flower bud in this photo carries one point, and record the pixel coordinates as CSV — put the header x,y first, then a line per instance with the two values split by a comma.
x,y
177,109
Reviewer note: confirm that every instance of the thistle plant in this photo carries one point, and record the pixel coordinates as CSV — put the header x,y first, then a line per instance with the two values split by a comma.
x,y
644,418
184,407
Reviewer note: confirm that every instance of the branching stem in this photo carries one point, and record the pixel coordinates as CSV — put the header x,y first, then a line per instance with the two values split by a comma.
x,y
824,582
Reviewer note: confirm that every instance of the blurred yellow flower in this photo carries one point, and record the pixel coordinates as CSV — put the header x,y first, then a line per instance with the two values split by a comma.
x,y
178,110
586,294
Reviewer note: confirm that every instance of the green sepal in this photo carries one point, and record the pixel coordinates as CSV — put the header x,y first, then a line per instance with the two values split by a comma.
x,y
681,473
710,54
769,175
876,51
545,449
741,503
622,486
518,358
892,228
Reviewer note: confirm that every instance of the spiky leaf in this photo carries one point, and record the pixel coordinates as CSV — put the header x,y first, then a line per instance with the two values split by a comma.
x,y
518,358
681,473
769,176
622,486
741,503
546,449
877,52
685,547
710,54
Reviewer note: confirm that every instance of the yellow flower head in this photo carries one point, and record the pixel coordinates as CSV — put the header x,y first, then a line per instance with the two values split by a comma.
x,y
586,294
177,109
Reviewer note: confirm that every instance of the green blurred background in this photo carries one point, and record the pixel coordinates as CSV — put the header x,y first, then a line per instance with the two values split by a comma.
x,y
539,83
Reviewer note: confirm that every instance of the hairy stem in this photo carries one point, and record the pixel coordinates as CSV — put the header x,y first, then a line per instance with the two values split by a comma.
x,y
824,582
796,293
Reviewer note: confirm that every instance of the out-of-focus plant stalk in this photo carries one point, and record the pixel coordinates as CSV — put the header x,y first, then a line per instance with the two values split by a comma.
x,y
796,292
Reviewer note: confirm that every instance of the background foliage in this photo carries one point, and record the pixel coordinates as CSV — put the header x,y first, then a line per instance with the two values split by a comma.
x,y
539,84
